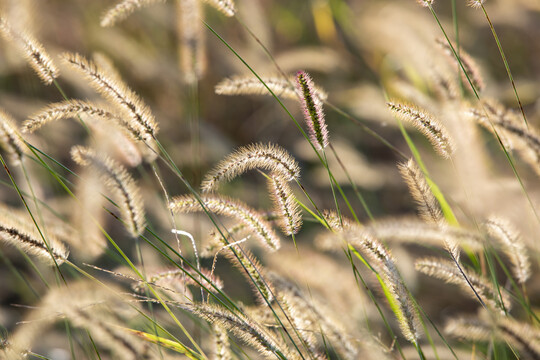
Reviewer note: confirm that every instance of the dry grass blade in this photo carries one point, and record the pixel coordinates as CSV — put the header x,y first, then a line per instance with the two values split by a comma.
x,y
258,156
118,180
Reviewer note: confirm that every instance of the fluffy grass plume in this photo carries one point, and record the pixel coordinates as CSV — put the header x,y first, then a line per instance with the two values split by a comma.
x,y
118,180
33,244
313,111
421,192
118,93
290,217
191,40
247,330
449,272
10,138
222,205
468,63
437,135
249,85
123,9
384,263
514,134
69,109
226,7
512,244
258,156
33,51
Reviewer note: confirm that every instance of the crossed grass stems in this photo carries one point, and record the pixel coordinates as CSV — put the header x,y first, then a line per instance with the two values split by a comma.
x,y
165,159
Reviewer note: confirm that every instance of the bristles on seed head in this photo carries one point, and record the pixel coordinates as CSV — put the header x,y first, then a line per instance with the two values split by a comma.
x,y
10,138
123,9
425,3
385,265
114,90
420,190
33,244
224,6
449,272
118,180
249,85
267,157
512,244
33,51
246,329
191,40
476,3
437,135
313,111
222,205
469,64
290,217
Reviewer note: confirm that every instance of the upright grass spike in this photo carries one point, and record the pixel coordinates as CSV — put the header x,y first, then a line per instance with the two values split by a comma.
x,y
33,51
420,190
221,205
191,40
313,111
123,9
118,180
425,3
514,247
476,3
258,156
118,93
290,217
437,135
